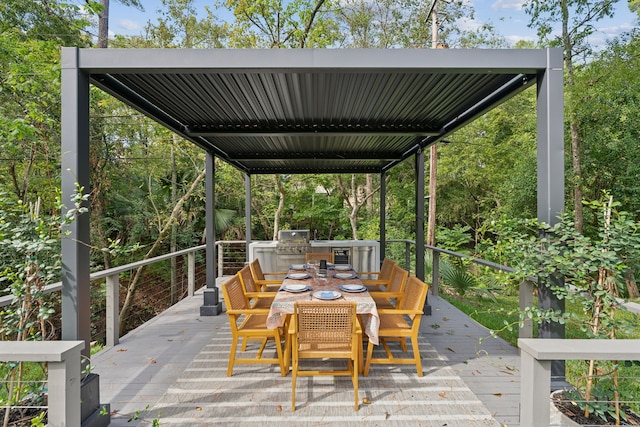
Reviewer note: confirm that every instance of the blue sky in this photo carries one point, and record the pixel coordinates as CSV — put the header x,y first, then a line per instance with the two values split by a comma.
x,y
506,15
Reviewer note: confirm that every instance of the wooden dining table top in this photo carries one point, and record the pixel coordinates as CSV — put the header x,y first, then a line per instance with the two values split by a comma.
x,y
284,301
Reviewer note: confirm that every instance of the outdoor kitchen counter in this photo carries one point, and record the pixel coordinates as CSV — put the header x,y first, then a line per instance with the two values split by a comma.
x,y
364,255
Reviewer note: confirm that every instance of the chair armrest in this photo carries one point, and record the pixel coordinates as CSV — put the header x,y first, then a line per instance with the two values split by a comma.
x,y
385,294
398,311
249,311
261,294
369,272
374,281
276,273
269,282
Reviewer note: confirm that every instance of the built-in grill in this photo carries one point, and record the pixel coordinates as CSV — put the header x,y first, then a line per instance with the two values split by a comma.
x,y
293,242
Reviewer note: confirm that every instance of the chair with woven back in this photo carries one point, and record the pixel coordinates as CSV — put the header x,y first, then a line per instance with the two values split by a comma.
x,y
319,256
260,277
321,330
382,276
253,325
399,323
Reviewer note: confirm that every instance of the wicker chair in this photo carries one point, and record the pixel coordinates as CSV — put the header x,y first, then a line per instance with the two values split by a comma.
x,y
253,326
393,289
259,277
319,256
394,326
320,330
382,277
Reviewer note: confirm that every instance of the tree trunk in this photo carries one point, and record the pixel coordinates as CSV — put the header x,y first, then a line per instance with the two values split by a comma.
x,y
175,214
278,214
103,25
368,191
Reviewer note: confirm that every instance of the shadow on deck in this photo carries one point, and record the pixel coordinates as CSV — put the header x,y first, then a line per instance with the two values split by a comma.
x,y
173,370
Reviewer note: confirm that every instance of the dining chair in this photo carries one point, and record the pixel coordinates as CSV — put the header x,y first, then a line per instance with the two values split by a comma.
x,y
399,323
319,256
393,289
382,277
259,277
253,325
257,298
321,330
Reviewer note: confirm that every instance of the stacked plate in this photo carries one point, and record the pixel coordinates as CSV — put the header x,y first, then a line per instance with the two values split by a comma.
x,y
352,288
296,288
327,295
298,276
345,276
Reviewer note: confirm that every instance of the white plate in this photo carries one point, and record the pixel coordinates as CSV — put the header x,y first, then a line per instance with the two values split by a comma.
x,y
298,276
327,295
344,276
295,288
343,268
298,267
353,288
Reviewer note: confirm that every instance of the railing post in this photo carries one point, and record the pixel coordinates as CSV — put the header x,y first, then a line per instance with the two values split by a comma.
x,y
526,300
64,390
220,260
435,272
113,310
535,383
191,273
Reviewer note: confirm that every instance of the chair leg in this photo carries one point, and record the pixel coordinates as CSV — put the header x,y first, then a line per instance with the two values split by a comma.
x,y
368,361
232,355
279,351
294,376
416,354
354,377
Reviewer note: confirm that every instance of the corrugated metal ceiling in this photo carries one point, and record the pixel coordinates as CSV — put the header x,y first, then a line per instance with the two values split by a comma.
x,y
313,121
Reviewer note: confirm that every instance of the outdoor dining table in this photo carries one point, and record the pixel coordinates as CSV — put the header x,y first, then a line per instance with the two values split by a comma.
x,y
284,301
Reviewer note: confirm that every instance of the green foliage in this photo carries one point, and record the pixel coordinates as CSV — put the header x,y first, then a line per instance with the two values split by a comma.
x,y
593,269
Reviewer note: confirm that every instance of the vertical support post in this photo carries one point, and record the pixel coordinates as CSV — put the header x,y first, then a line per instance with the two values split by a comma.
x,y
191,273
113,310
535,383
76,301
435,272
211,305
64,390
383,216
420,222
550,144
419,194
247,213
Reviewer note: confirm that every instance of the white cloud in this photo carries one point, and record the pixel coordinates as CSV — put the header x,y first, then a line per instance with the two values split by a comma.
x,y
468,24
508,4
129,25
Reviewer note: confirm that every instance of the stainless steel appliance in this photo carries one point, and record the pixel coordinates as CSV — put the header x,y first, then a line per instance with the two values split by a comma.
x,y
293,242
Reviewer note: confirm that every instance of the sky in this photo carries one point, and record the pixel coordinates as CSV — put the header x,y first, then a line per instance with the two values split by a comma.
x,y
506,15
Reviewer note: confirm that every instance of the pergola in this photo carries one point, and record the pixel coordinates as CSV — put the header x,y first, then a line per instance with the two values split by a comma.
x,y
301,111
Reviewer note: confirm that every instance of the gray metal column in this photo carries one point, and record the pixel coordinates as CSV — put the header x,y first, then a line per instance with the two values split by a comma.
x,y
212,305
550,128
383,216
420,214
247,211
76,302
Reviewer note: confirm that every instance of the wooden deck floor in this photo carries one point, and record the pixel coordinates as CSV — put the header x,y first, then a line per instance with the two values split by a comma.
x,y
173,370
